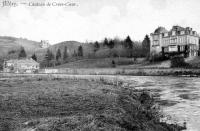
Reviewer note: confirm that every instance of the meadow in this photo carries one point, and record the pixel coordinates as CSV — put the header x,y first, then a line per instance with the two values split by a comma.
x,y
60,104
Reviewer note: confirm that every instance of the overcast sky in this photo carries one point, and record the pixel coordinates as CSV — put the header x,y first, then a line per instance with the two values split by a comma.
x,y
96,19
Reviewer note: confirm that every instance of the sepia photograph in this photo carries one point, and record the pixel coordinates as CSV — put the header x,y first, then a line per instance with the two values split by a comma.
x,y
99,65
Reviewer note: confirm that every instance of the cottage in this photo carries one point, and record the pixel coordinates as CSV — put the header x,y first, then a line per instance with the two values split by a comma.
x,y
21,66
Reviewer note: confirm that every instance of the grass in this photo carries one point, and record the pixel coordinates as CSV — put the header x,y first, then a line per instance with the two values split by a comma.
x,y
100,63
55,104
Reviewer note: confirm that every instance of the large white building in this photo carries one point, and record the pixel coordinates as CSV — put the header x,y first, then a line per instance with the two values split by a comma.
x,y
21,66
44,43
178,40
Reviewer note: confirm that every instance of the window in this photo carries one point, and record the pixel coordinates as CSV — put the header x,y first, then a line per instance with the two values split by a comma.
x,y
173,48
182,32
194,33
190,40
173,33
181,48
155,43
155,37
174,40
165,41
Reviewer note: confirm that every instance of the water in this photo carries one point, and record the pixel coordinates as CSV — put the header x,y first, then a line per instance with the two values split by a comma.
x,y
179,97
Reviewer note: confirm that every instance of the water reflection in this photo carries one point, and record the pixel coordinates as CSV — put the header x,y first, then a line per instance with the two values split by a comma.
x,y
179,97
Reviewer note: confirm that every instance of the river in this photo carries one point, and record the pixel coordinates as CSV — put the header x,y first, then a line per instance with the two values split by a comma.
x,y
179,97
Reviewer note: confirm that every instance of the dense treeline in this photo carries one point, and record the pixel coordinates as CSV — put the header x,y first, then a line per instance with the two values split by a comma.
x,y
124,48
59,58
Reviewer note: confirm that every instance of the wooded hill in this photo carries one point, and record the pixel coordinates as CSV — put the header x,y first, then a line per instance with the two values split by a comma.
x,y
68,51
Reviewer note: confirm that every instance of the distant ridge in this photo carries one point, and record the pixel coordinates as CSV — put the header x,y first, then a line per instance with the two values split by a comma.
x,y
8,43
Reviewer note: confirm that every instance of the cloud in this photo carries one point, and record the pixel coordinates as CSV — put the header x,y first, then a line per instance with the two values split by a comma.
x,y
59,24
159,4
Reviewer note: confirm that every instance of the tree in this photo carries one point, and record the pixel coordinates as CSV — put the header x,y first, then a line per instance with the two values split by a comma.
x,y
96,46
74,54
34,57
49,55
1,64
22,53
58,54
48,58
128,44
146,46
65,54
105,42
111,44
80,51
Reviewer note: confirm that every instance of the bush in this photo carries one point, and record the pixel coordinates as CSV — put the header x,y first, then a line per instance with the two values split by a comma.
x,y
156,57
126,61
113,63
178,61
5,125
1,64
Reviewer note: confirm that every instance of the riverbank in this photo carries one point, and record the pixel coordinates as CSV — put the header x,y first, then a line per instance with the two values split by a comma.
x,y
51,103
126,71
121,71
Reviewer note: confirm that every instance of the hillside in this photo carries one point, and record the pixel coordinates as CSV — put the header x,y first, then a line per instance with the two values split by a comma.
x,y
72,46
11,43
103,63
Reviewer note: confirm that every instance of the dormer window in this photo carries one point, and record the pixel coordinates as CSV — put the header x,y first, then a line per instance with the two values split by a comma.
x,y
155,43
194,33
166,34
182,32
173,33
156,37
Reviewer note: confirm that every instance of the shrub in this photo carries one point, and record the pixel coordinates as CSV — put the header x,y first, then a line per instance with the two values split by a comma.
x,y
5,125
113,63
178,61
1,66
156,57
126,61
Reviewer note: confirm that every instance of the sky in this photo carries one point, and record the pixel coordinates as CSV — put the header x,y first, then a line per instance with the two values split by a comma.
x,y
91,20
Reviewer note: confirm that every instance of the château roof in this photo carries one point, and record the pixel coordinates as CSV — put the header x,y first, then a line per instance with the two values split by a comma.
x,y
178,28
160,30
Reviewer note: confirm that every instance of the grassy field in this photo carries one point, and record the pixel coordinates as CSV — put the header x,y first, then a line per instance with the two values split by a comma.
x,y
102,63
55,104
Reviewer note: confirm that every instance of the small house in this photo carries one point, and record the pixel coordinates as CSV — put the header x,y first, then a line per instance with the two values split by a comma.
x,y
21,66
